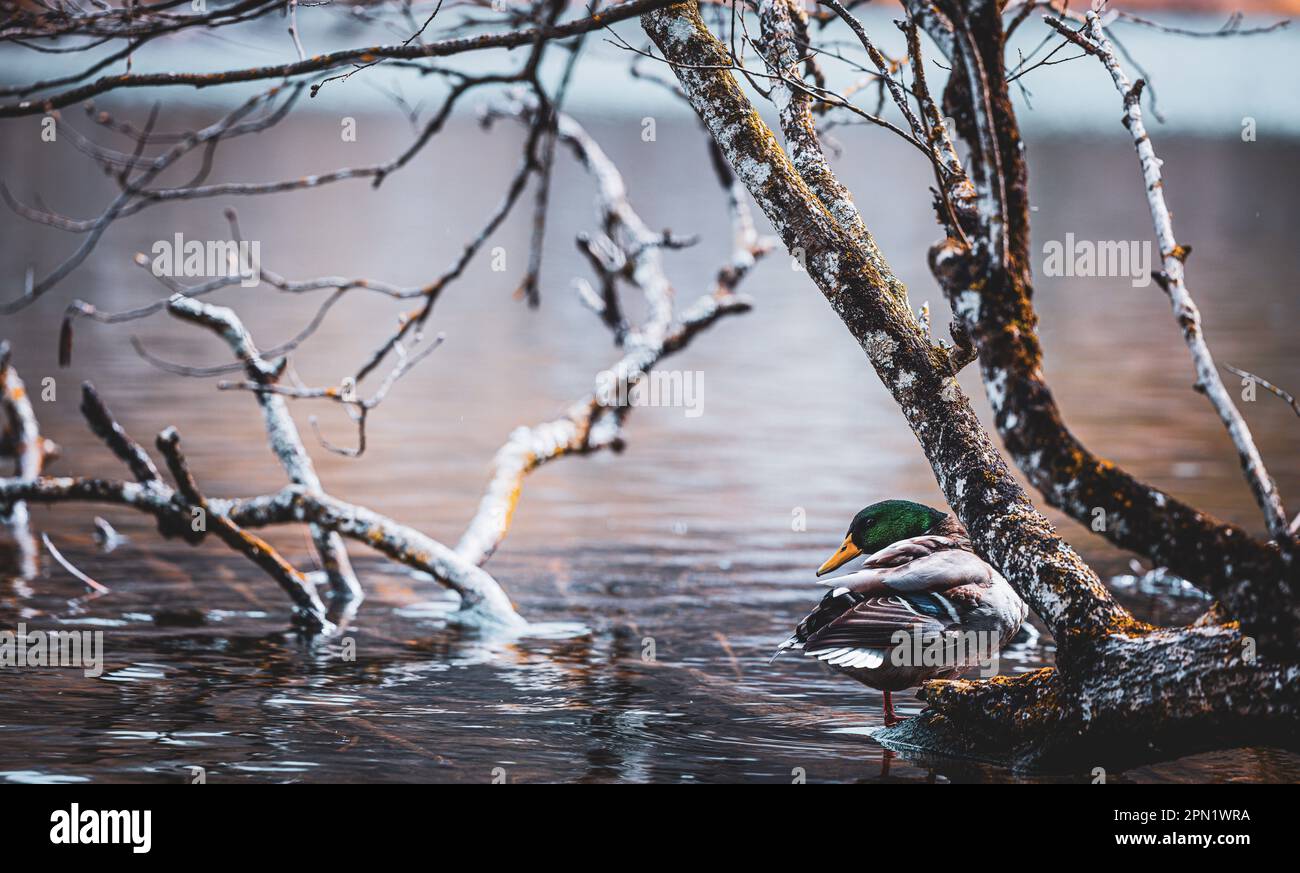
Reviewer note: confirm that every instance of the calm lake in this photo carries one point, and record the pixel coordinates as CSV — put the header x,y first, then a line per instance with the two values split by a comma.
x,y
685,547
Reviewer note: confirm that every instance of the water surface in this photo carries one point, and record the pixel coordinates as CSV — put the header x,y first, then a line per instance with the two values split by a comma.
x,y
684,544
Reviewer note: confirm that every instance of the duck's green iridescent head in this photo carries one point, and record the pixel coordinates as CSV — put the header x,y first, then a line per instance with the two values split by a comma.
x,y
879,525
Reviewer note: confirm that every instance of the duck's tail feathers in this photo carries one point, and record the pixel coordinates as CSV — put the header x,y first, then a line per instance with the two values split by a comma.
x,y
792,643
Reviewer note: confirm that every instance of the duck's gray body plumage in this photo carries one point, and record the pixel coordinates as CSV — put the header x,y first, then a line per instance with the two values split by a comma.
x,y
931,588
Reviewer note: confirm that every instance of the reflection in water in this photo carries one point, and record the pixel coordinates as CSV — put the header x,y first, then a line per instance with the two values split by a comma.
x,y
659,579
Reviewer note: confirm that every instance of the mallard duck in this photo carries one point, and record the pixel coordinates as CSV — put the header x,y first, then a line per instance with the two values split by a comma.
x,y
923,606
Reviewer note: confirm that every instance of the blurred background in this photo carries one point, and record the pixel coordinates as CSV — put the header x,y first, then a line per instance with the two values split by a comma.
x,y
688,538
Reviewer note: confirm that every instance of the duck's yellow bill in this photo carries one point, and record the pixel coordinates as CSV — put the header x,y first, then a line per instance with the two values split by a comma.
x,y
847,552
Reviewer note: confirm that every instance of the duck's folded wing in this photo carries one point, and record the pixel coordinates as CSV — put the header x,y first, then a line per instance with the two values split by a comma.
x,y
863,635
911,549
933,572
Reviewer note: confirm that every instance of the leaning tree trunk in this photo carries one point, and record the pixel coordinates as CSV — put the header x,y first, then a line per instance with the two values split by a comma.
x,y
1122,690
991,293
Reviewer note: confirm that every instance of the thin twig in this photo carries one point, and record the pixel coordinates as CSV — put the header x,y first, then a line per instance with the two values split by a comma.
x,y
1185,310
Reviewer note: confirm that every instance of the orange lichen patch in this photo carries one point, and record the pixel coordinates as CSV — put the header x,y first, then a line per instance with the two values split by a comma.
x,y
512,502
1120,623
1130,626
942,687
1015,703
1214,616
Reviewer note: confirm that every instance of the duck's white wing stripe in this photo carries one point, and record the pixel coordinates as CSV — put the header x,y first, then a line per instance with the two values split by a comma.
x,y
827,654
844,657
868,658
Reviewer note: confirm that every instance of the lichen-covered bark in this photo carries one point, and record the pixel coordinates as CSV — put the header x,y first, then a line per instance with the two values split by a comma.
x,y
1003,524
1178,691
991,292
1117,679
784,29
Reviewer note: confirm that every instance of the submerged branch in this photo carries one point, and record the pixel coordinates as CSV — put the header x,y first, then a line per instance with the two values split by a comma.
x,y
595,422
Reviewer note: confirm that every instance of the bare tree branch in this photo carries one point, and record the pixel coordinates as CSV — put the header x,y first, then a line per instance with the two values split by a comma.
x,y
1185,310
596,421
1198,683
995,305
1060,586
280,430
334,60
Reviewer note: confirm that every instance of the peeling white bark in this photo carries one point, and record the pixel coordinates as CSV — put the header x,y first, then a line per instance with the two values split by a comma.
x,y
483,602
281,432
23,436
596,421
